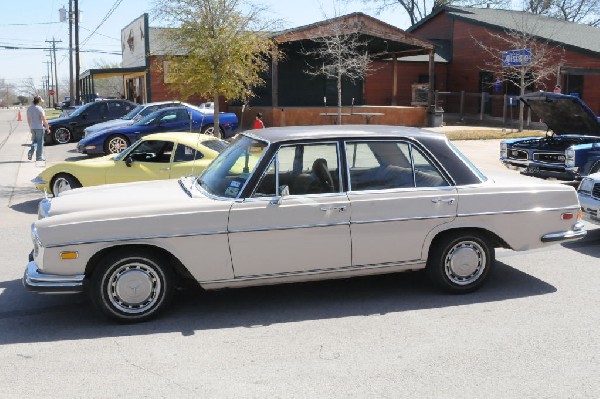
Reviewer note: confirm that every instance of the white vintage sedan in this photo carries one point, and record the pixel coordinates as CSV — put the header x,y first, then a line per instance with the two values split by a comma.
x,y
283,205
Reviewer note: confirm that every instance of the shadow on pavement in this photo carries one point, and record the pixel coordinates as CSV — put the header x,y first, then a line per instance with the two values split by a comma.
x,y
27,317
29,207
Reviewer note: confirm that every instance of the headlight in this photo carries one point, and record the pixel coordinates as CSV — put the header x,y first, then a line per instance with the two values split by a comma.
x,y
586,186
503,149
570,154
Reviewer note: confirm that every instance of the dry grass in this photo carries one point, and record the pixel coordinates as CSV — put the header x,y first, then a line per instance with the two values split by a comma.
x,y
490,134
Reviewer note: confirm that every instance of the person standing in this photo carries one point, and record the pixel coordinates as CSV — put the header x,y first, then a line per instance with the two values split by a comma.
x,y
36,118
258,123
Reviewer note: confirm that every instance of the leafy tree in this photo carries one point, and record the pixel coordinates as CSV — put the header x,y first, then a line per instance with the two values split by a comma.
x,y
225,49
23,100
542,65
342,55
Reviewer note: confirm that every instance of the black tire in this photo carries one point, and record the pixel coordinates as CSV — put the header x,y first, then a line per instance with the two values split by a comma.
x,y
210,129
460,263
63,182
132,286
116,144
61,135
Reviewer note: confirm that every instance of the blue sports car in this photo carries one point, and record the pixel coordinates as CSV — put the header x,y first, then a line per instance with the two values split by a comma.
x,y
173,119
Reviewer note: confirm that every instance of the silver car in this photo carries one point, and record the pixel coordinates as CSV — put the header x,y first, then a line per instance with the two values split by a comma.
x,y
284,205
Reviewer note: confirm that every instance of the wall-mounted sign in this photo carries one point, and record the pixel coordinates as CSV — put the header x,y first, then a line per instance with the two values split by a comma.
x,y
516,58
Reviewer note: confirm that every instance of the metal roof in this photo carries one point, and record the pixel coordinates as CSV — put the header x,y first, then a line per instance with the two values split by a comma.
x,y
578,37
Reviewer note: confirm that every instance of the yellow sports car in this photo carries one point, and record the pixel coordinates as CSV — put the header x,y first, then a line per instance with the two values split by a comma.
x,y
154,157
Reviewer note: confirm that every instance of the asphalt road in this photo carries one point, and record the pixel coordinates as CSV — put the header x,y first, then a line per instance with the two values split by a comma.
x,y
531,332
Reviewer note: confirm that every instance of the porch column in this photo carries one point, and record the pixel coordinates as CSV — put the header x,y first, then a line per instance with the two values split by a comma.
x,y
431,78
395,79
275,79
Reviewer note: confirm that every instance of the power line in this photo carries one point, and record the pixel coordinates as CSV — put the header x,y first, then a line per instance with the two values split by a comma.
x,y
108,14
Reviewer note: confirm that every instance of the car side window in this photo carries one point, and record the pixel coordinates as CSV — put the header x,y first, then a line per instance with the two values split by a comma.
x,y
183,153
155,151
304,169
96,110
182,115
115,108
380,165
169,116
147,111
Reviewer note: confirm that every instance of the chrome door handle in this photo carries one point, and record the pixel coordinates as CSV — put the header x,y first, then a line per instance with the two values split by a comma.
x,y
448,201
340,208
165,169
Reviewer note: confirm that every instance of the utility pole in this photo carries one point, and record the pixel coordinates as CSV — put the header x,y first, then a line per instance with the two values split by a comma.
x,y
48,80
77,85
55,67
64,17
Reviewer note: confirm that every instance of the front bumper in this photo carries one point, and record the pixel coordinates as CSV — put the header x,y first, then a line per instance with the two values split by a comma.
x,y
590,208
571,235
542,170
36,281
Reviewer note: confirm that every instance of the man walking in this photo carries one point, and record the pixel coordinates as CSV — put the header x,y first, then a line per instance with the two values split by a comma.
x,y
36,118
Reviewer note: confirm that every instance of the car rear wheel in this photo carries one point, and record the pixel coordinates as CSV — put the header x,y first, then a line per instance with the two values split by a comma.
x,y
210,129
116,144
61,135
132,286
64,182
461,262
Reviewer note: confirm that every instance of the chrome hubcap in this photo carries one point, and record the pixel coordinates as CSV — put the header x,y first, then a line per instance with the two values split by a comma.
x,y
117,145
465,262
60,185
134,288
62,135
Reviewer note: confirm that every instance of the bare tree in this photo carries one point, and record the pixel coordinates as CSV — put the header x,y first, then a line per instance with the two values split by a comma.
x,y
342,54
29,87
419,9
538,59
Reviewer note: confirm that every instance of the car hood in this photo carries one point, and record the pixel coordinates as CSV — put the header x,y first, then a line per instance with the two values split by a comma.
x,y
563,114
110,124
127,210
59,121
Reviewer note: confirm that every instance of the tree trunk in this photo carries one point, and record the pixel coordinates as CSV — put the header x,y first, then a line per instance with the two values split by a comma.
x,y
217,132
521,105
339,98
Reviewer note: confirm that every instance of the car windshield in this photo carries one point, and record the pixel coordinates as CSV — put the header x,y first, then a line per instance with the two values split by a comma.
x,y
133,113
227,175
148,120
80,110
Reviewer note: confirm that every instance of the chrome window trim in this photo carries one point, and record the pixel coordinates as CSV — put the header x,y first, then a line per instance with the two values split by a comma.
x,y
402,219
291,227
424,151
294,144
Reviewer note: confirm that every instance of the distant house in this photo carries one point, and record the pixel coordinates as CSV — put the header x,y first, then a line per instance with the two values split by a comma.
x,y
461,62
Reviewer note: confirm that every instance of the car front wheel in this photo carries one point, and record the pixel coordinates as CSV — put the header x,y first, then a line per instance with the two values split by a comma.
x,y
131,286
64,182
61,135
460,263
116,144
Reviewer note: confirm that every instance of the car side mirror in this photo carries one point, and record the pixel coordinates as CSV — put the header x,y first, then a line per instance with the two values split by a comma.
x,y
128,161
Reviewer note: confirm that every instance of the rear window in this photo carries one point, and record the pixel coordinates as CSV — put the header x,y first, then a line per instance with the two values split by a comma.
x,y
215,145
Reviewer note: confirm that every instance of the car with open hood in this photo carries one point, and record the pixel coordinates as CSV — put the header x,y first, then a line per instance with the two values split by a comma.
x,y
571,147
294,204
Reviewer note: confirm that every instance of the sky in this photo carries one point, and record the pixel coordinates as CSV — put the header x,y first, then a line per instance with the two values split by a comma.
x,y
29,25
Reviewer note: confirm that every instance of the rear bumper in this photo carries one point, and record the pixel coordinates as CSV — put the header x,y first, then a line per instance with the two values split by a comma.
x,y
571,235
39,282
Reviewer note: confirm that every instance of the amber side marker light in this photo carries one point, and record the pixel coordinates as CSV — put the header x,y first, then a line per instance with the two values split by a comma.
x,y
69,255
569,215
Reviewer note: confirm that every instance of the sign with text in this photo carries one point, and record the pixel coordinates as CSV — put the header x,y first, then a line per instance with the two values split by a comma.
x,y
516,58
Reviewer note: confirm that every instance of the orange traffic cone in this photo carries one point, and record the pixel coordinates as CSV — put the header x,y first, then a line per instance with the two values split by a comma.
x,y
19,117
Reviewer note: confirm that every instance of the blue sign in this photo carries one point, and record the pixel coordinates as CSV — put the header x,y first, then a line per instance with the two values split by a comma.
x,y
516,58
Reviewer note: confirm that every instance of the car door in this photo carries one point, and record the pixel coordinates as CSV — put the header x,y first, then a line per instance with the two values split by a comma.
x,y
95,113
174,120
397,196
149,160
306,231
